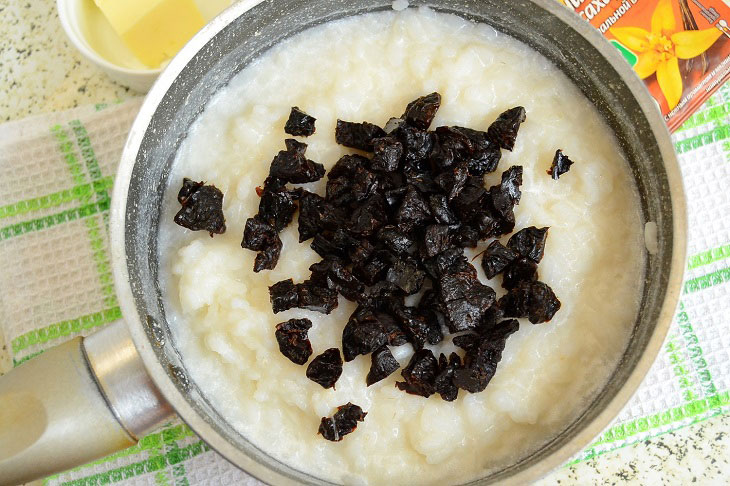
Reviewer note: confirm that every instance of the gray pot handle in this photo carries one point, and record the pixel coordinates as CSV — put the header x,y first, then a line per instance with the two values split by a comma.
x,y
75,403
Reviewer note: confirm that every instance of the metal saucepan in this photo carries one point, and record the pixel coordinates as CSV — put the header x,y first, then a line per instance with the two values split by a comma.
x,y
90,397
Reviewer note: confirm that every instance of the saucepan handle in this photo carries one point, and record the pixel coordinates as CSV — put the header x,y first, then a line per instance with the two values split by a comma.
x,y
75,403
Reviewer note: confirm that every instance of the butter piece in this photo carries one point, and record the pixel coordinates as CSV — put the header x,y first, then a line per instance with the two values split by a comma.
x,y
154,30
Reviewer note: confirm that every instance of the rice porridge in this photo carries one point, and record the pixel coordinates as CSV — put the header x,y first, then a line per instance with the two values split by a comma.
x,y
368,68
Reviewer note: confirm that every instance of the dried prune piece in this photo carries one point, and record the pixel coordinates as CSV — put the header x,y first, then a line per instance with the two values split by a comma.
x,y
315,298
334,275
333,243
292,166
363,334
419,329
450,261
466,236
417,145
343,422
405,273
511,182
357,135
502,208
529,242
202,208
368,216
440,209
283,296
393,124
299,123
465,299
413,211
374,269
432,309
496,258
436,239
561,165
421,112
262,237
326,368
387,154
293,341
505,127
316,215
293,145
395,240
360,252
482,356
420,374
383,364
470,199
521,270
481,154
350,181
534,300
452,180
277,208
444,383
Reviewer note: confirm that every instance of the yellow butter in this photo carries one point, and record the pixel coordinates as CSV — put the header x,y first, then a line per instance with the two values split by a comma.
x,y
154,30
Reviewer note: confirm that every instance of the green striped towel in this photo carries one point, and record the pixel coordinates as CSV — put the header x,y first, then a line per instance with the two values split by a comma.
x,y
56,175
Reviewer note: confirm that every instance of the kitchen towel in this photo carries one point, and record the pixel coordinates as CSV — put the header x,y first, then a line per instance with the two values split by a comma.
x,y
56,176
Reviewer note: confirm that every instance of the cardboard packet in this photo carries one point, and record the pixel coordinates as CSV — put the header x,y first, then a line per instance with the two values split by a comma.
x,y
680,48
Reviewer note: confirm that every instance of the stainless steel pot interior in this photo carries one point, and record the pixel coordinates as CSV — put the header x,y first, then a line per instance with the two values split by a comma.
x,y
245,31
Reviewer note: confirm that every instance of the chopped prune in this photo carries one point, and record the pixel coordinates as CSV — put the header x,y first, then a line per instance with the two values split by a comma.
x,y
420,374
283,296
440,209
417,145
561,165
502,207
374,269
418,327
260,236
315,298
357,135
383,364
413,211
292,166
299,123
465,299
351,182
406,275
393,124
343,422
332,274
316,215
202,208
326,368
337,243
521,270
481,154
368,217
286,295
395,240
277,208
421,112
437,239
511,182
452,260
452,181
444,383
387,154
293,341
293,145
505,127
363,334
529,242
496,258
534,300
483,353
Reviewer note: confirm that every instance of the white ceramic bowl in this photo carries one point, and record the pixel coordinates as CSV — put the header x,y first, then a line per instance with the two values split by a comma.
x,y
140,80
